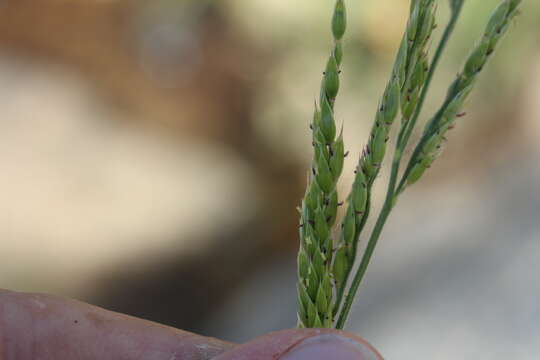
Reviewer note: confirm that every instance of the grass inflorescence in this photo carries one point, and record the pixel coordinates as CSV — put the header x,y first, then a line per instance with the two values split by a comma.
x,y
320,204
326,262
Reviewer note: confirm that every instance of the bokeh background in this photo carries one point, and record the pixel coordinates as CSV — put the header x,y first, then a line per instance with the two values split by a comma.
x,y
153,153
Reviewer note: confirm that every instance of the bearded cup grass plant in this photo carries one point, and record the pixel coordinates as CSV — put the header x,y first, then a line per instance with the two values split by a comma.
x,y
319,207
327,256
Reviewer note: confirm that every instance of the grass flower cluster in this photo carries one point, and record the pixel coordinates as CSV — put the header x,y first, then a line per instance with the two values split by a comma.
x,y
320,204
327,256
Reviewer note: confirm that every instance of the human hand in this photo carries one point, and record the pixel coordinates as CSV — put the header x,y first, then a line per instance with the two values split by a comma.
x,y
35,326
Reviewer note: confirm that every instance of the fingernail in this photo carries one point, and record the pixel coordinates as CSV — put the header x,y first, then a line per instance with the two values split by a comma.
x,y
330,346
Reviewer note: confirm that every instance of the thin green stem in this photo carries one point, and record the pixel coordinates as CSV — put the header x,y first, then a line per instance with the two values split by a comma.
x,y
372,243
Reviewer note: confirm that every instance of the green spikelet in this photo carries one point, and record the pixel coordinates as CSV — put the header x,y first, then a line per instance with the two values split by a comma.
x,y
431,143
401,94
319,208
324,267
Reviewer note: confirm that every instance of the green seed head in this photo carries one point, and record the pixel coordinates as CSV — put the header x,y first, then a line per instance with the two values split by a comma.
x,y
414,22
328,126
320,204
327,285
477,59
409,105
321,227
349,227
302,291
390,105
324,177
313,282
498,18
313,319
338,156
313,197
341,264
378,144
339,21
420,71
432,144
330,210
331,78
420,168
303,264
416,173
321,301
455,106
318,263
318,135
428,24
369,168
359,193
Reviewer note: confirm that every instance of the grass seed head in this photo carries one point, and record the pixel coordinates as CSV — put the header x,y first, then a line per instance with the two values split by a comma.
x,y
319,207
339,20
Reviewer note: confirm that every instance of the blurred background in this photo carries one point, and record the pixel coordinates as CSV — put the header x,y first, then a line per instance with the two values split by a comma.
x,y
153,153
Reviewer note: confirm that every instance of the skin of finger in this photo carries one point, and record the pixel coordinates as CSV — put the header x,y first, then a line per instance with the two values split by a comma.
x,y
36,326
275,345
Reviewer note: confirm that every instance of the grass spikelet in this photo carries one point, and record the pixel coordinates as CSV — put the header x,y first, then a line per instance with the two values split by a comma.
x,y
325,294
401,93
458,92
319,207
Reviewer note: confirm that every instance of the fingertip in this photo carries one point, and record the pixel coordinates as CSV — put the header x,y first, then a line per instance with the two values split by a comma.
x,y
58,328
300,344
331,346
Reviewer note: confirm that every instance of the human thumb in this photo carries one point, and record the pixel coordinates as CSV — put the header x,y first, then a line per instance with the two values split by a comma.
x,y
304,344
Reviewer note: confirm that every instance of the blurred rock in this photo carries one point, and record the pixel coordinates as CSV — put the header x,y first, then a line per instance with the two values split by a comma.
x,y
83,191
